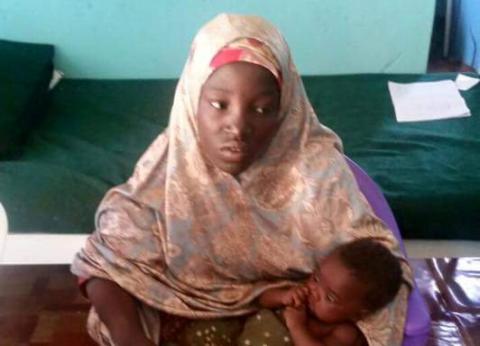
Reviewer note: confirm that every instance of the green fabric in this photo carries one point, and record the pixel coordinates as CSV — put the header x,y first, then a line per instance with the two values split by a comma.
x,y
25,72
100,128
48,198
92,136
429,171
262,328
219,332
95,131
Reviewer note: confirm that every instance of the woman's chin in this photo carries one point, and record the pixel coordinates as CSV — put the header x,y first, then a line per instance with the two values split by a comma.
x,y
232,167
233,157
233,163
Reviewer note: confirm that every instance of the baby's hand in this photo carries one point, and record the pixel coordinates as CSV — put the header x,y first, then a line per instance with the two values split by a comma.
x,y
295,317
296,296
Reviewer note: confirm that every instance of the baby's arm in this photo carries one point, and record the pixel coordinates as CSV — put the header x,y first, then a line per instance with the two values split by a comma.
x,y
273,298
281,297
297,324
346,334
302,330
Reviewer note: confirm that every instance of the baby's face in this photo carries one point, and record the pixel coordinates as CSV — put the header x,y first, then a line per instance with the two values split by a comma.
x,y
335,295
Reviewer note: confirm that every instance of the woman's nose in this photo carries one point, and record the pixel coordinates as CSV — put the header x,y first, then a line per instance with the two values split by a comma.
x,y
238,123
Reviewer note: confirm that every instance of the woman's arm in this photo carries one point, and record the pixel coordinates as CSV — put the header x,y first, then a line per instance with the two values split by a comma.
x,y
117,310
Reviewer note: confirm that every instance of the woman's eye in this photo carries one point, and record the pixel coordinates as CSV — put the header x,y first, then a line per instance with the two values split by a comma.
x,y
217,104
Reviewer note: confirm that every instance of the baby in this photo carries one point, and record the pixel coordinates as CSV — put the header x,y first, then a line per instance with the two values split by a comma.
x,y
356,279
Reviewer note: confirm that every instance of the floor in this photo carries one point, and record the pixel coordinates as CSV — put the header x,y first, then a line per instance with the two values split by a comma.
x,y
420,248
437,63
40,305
443,65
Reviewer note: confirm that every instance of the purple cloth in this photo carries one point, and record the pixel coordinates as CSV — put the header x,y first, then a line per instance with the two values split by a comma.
x,y
418,315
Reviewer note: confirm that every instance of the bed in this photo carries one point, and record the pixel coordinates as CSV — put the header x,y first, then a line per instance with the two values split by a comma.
x,y
86,136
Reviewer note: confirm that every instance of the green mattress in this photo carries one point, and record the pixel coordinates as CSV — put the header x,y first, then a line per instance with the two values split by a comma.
x,y
429,171
92,135
95,130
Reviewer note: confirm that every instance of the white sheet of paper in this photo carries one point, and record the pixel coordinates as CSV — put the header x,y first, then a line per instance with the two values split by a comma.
x,y
427,101
465,82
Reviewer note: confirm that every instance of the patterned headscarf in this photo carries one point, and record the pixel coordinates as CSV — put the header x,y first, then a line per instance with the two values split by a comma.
x,y
248,50
189,239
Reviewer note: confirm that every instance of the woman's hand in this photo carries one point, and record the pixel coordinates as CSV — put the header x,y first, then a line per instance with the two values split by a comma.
x,y
296,296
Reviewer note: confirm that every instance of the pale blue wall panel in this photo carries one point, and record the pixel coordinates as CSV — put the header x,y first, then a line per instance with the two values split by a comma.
x,y
150,38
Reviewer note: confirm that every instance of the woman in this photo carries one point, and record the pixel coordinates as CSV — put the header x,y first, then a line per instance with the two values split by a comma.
x,y
242,193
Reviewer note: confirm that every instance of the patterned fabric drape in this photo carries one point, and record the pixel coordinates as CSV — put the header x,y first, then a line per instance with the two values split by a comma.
x,y
191,240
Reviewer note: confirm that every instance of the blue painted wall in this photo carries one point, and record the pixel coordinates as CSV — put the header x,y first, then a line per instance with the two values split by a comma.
x,y
465,41
150,38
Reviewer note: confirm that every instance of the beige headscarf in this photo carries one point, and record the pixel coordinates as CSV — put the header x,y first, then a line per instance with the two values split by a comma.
x,y
189,239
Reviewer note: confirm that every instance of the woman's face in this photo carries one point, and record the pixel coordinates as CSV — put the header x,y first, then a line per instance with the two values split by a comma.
x,y
237,115
335,294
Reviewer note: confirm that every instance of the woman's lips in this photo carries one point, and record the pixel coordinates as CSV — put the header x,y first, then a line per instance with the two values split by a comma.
x,y
234,152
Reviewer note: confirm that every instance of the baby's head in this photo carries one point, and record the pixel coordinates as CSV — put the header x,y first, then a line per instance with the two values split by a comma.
x,y
356,279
